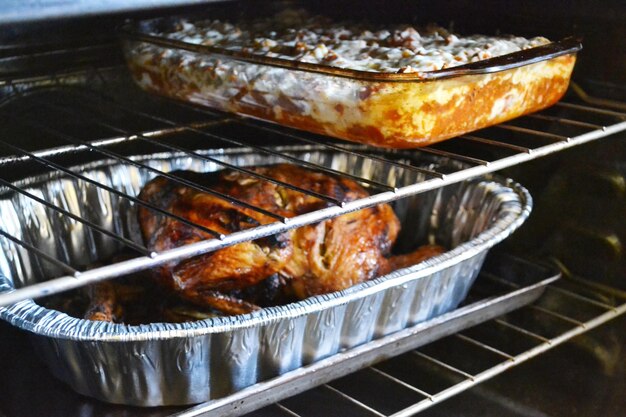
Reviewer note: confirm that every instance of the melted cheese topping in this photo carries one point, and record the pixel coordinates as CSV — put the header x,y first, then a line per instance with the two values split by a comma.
x,y
294,35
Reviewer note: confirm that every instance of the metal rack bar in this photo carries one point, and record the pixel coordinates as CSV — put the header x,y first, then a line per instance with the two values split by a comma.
x,y
46,162
114,156
29,121
533,132
516,359
129,243
279,132
591,109
342,149
522,330
453,155
65,267
597,101
484,346
492,142
245,171
290,134
400,382
582,298
565,121
443,365
468,380
286,410
149,139
229,140
389,193
557,315
358,403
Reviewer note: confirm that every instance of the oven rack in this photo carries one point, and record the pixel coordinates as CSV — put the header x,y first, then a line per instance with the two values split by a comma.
x,y
112,114
418,367
432,373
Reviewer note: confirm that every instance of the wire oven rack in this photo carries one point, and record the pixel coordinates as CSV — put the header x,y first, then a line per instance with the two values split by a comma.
x,y
112,119
423,377
424,371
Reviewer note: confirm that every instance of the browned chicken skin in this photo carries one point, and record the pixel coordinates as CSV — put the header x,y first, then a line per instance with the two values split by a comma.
x,y
104,304
315,259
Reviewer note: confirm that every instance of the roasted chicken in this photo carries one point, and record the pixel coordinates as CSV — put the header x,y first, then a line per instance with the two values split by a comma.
x,y
315,259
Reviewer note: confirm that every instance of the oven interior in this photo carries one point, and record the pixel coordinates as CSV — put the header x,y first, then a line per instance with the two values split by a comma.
x,y
64,84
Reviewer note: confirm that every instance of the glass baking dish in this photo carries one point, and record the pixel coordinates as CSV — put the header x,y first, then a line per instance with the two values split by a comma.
x,y
381,109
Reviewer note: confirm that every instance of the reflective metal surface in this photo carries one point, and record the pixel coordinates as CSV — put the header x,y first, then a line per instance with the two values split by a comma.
x,y
211,358
504,284
571,374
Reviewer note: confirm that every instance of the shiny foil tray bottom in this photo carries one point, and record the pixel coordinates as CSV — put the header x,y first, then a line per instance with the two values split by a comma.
x,y
168,364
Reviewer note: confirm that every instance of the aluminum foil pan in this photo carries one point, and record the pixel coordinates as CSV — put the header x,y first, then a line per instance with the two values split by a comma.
x,y
168,364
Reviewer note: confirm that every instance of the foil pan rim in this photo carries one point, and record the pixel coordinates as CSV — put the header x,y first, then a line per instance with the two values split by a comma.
x,y
32,317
